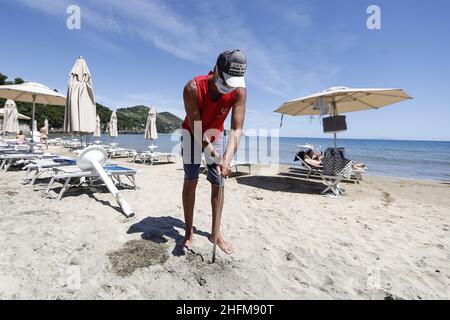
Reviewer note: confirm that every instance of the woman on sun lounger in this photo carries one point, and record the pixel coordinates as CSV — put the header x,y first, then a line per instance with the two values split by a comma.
x,y
314,159
21,136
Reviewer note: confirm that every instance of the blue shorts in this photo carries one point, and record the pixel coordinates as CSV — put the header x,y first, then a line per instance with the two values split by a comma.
x,y
191,152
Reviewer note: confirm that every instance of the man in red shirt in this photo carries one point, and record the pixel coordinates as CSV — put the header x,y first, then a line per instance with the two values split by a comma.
x,y
208,100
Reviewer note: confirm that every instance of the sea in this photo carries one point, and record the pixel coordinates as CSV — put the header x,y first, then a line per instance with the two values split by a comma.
x,y
396,158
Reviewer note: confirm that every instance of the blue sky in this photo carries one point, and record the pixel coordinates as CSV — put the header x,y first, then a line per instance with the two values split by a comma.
x,y
144,51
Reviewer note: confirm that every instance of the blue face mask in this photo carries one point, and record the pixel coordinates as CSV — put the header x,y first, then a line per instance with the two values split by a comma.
x,y
222,87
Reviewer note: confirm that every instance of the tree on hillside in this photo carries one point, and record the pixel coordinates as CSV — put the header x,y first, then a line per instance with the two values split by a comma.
x,y
18,80
3,79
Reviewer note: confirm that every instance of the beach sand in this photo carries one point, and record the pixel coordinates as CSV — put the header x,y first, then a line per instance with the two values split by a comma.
x,y
388,238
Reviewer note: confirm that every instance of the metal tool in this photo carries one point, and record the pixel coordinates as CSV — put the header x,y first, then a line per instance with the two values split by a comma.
x,y
219,200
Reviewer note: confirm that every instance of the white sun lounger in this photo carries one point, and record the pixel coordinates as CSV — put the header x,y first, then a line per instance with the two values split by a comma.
x,y
35,168
234,165
152,157
6,160
66,174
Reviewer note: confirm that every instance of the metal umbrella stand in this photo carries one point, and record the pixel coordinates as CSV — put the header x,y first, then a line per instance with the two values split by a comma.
x,y
219,204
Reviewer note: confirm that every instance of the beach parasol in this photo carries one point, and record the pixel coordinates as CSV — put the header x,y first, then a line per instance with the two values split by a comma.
x,y
80,114
112,127
46,126
10,118
342,100
98,129
151,132
35,93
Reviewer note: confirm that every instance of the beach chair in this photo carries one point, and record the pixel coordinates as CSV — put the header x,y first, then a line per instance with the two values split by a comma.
x,y
7,160
308,169
114,152
37,167
152,157
336,168
235,164
68,174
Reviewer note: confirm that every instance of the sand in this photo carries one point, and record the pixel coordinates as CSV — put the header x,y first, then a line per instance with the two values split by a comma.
x,y
388,238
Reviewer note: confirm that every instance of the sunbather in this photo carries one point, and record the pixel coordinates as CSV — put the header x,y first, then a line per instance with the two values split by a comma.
x,y
314,159
21,136
311,158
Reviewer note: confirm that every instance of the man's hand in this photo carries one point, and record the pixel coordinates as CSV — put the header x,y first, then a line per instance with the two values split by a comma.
x,y
223,169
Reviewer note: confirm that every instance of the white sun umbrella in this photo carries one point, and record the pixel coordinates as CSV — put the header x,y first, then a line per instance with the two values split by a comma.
x,y
343,100
98,128
35,93
10,118
80,114
151,132
113,132
46,126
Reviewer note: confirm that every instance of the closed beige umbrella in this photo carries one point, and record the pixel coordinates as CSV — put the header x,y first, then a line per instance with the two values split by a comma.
x,y
46,126
151,132
98,129
337,100
113,132
10,118
34,93
81,111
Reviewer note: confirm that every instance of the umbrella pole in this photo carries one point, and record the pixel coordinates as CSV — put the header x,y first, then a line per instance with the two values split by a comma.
x,y
32,118
219,206
335,134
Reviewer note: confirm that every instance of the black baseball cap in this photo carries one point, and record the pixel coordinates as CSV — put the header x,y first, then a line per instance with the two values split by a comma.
x,y
233,65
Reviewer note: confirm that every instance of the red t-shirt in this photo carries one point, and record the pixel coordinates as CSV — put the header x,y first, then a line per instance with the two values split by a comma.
x,y
213,114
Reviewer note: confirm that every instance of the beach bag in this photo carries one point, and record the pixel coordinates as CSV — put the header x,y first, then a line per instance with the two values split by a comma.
x,y
337,166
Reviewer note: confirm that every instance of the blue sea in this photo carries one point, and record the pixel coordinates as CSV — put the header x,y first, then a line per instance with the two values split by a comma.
x,y
397,158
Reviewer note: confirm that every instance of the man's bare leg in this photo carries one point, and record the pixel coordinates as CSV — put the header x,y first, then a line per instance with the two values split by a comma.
x,y
222,244
189,188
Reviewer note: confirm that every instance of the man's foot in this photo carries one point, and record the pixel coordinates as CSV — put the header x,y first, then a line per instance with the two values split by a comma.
x,y
223,245
185,244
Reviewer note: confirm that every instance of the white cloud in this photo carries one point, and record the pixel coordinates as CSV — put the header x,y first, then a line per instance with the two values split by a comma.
x,y
196,39
197,31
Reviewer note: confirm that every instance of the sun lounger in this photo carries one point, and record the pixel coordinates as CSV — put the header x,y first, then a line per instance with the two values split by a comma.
x,y
6,160
35,168
152,157
114,152
234,165
66,174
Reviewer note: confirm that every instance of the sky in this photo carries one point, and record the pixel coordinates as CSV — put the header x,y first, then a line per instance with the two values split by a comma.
x,y
142,52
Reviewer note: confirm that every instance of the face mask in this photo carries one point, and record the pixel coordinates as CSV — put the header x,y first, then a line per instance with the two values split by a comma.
x,y
221,87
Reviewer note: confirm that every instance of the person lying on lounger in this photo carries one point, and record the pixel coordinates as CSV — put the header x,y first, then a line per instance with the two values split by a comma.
x,y
314,159
21,136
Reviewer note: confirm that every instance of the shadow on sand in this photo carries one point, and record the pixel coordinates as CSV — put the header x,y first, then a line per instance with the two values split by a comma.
x,y
156,228
285,182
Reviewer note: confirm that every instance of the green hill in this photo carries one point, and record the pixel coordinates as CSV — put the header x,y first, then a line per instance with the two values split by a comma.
x,y
129,120
135,118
